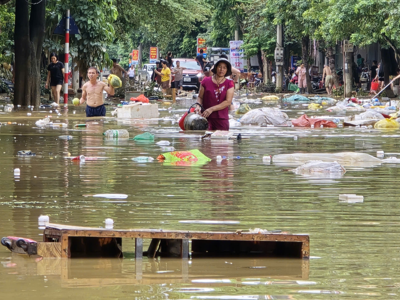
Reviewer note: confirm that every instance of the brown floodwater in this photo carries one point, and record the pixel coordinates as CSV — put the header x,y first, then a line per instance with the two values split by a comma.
x,y
354,246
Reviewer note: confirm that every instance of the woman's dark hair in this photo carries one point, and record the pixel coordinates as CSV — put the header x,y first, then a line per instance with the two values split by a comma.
x,y
358,55
164,62
53,54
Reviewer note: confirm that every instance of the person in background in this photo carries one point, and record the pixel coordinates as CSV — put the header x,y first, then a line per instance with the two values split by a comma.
x,y
301,72
327,78
131,73
55,76
380,76
169,59
215,95
360,62
92,92
200,59
373,69
178,71
166,77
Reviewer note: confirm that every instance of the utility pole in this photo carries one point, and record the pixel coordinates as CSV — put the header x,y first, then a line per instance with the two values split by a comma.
x,y
348,70
279,57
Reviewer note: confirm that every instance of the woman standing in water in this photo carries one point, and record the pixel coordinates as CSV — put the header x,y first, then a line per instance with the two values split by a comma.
x,y
55,76
165,76
216,94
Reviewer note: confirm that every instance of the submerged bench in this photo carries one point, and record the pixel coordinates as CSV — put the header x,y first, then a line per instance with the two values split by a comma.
x,y
76,242
99,242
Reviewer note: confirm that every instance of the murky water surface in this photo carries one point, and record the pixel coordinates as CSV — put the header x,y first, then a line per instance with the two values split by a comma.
x,y
354,246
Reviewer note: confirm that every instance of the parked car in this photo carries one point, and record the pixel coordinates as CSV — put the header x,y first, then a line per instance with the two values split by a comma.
x,y
146,72
192,75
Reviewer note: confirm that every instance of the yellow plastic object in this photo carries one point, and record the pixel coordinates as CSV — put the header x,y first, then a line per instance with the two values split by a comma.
x,y
380,106
76,101
387,123
270,98
314,106
114,81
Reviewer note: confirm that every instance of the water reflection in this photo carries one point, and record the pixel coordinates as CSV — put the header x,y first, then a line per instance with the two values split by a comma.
x,y
356,242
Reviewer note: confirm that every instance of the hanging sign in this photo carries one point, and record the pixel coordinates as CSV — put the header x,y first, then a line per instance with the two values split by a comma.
x,y
135,57
237,54
153,55
201,44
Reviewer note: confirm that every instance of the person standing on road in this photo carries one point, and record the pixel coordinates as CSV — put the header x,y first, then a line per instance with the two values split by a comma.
x,y
200,59
165,76
92,92
215,95
327,78
301,72
131,73
55,76
373,69
178,71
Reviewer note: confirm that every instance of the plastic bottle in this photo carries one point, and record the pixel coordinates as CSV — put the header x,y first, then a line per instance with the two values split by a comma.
x,y
17,172
65,137
59,125
143,159
168,149
116,134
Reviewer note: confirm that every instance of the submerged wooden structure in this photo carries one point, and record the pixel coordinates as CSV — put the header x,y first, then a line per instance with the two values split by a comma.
x,y
67,241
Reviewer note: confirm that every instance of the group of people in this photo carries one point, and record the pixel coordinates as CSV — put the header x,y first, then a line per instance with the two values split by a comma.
x,y
213,101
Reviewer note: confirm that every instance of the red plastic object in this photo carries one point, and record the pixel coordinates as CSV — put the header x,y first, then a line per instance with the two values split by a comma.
x,y
305,121
182,120
374,86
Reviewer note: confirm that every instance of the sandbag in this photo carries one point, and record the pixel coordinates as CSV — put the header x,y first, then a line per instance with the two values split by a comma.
x,y
305,121
387,124
243,108
114,81
270,98
265,116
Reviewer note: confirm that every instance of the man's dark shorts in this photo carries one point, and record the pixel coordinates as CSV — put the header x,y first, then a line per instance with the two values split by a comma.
x,y
99,111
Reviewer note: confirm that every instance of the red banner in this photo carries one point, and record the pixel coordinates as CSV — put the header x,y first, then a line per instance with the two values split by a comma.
x,y
153,54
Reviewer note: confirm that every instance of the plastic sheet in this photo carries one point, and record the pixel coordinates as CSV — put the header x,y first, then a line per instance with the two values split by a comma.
x,y
305,121
319,167
270,98
147,136
296,99
184,158
265,116
344,158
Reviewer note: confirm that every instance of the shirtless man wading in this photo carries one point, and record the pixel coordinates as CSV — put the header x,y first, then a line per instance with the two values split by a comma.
x,y
92,92
328,78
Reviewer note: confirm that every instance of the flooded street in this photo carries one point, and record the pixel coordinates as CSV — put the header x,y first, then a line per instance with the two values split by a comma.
x,y
354,247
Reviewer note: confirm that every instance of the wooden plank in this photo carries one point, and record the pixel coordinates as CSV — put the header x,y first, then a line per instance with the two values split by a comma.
x,y
65,250
49,249
153,247
138,248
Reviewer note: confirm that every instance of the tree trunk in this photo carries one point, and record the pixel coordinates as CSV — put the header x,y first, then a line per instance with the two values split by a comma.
x,y
348,74
28,37
331,57
305,57
267,70
260,62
